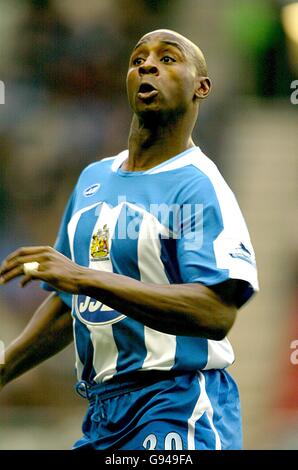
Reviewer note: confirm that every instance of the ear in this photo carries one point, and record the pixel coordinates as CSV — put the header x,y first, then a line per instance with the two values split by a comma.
x,y
203,88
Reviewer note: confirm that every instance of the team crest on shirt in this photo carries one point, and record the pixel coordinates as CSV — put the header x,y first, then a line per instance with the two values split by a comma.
x,y
100,245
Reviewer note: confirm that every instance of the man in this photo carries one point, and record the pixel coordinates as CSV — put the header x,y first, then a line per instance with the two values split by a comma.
x,y
153,258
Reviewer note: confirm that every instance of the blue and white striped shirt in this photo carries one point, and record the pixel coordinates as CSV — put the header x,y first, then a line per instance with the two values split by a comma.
x,y
178,222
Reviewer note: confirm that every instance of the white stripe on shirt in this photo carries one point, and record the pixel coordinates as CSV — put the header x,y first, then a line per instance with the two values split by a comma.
x,y
202,406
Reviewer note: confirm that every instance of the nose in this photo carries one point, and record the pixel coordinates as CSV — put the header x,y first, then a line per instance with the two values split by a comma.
x,y
148,67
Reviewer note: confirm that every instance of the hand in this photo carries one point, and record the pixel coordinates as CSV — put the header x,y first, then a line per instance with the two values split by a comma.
x,y
54,268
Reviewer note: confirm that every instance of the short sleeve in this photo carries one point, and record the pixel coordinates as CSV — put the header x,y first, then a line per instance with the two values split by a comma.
x,y
62,245
214,244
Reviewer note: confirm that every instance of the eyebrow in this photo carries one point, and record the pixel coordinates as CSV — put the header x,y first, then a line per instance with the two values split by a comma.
x,y
164,41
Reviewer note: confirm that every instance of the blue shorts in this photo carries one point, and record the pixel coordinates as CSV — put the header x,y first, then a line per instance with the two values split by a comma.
x,y
162,411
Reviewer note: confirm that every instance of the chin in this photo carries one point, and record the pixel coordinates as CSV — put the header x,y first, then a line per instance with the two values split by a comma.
x,y
147,110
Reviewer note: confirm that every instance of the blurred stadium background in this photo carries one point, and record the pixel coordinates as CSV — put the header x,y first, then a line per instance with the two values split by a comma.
x,y
63,64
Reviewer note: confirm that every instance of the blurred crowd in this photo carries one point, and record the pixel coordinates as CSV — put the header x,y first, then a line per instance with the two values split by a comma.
x,y
64,66
65,105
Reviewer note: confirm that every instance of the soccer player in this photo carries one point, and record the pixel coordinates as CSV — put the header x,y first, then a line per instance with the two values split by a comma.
x,y
153,259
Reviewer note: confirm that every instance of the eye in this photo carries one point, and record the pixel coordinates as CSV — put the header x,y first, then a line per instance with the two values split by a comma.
x,y
167,59
138,61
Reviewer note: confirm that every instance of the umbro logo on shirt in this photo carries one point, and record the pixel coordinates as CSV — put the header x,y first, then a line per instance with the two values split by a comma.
x,y
91,190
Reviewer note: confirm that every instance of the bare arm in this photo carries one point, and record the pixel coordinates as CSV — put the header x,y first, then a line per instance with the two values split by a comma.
x,y
184,309
181,309
47,333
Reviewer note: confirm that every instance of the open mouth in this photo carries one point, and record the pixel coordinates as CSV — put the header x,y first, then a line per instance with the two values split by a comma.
x,y
147,91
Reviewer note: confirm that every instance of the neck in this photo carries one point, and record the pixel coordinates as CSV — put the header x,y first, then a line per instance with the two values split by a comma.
x,y
151,143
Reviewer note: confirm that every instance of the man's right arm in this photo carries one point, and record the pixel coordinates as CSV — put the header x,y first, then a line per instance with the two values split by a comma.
x,y
48,332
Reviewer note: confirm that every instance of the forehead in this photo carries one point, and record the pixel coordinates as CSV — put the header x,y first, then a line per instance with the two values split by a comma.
x,y
161,38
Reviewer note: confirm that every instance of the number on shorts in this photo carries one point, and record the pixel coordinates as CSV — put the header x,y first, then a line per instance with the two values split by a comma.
x,y
150,442
173,441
